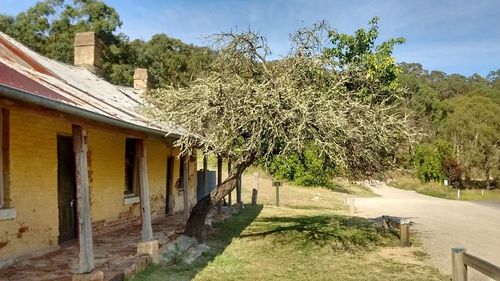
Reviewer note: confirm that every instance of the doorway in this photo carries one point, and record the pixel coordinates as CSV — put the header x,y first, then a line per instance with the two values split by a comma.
x,y
169,204
66,185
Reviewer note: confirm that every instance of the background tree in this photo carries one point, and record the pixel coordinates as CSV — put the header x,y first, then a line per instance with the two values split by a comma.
x,y
249,109
49,27
473,126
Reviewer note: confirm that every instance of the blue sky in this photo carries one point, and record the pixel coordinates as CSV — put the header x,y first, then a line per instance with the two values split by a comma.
x,y
455,36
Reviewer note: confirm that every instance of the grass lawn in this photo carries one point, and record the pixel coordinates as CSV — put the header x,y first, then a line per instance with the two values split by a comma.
x,y
309,238
438,190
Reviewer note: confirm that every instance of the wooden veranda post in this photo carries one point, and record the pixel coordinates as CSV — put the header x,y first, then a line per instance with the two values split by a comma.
x,y
86,261
219,181
185,186
459,269
205,175
147,229
229,203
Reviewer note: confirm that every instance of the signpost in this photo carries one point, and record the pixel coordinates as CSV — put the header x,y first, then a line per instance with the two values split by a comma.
x,y
277,184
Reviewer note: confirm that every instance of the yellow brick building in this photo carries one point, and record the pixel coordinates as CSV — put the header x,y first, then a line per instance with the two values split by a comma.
x,y
43,103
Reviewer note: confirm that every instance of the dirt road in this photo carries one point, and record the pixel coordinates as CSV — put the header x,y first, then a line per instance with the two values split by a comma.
x,y
442,224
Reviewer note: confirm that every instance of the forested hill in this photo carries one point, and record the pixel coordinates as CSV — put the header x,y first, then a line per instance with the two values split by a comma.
x,y
49,28
459,116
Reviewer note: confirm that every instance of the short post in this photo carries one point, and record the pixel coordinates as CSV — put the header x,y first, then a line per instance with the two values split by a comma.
x,y
255,188
352,206
458,268
458,194
277,184
404,232
277,196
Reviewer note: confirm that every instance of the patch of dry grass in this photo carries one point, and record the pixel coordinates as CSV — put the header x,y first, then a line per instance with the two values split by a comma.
x,y
439,190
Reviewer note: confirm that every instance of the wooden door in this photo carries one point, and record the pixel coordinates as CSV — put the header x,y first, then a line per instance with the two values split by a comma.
x,y
66,183
169,204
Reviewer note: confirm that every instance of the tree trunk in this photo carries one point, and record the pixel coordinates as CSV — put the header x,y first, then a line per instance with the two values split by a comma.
x,y
487,174
195,226
467,178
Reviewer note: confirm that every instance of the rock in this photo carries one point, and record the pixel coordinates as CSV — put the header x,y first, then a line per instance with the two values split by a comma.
x,y
195,253
173,251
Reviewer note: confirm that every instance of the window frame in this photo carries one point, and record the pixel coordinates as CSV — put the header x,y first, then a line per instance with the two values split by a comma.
x,y
135,170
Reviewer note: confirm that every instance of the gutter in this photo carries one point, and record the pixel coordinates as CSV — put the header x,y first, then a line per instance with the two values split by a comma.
x,y
23,96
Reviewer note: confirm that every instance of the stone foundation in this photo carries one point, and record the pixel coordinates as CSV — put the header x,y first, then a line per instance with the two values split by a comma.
x,y
95,275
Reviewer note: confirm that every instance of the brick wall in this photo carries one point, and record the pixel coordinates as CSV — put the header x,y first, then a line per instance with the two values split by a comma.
x,y
33,181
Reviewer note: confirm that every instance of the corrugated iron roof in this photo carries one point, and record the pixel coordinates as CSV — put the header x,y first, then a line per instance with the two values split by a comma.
x,y
28,71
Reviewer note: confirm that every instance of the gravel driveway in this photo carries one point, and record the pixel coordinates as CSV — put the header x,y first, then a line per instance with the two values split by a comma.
x,y
441,223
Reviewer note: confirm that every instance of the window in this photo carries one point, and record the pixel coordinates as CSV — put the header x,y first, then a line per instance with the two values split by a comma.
x,y
131,169
179,184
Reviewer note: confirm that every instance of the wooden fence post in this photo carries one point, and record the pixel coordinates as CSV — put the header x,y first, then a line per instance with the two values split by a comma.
x,y
404,232
255,188
459,269
277,195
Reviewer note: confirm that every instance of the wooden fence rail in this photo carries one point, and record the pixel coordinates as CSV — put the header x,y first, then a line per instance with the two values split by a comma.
x,y
460,260
402,224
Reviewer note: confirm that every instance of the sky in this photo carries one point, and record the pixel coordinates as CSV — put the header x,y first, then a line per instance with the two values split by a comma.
x,y
454,36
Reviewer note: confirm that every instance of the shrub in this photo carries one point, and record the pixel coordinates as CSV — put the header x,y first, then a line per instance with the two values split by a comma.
x,y
308,168
453,171
429,160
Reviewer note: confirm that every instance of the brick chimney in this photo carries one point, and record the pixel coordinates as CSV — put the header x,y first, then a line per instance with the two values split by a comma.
x,y
88,50
141,79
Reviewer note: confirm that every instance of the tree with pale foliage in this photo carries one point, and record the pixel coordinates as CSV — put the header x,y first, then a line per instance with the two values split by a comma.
x,y
334,91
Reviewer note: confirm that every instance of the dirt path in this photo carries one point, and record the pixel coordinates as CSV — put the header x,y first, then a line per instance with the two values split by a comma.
x,y
441,224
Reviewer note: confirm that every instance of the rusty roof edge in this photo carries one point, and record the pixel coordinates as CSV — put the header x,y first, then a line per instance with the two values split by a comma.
x,y
24,96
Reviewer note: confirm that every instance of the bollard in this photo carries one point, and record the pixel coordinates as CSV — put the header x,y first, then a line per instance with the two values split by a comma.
x,y
458,268
277,184
352,206
277,195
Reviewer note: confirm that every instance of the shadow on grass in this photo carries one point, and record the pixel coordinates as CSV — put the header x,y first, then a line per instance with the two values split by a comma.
x,y
218,241
339,232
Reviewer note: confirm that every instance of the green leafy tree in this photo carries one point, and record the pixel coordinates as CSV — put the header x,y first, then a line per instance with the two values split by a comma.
x,y
310,168
49,26
375,74
493,78
429,160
